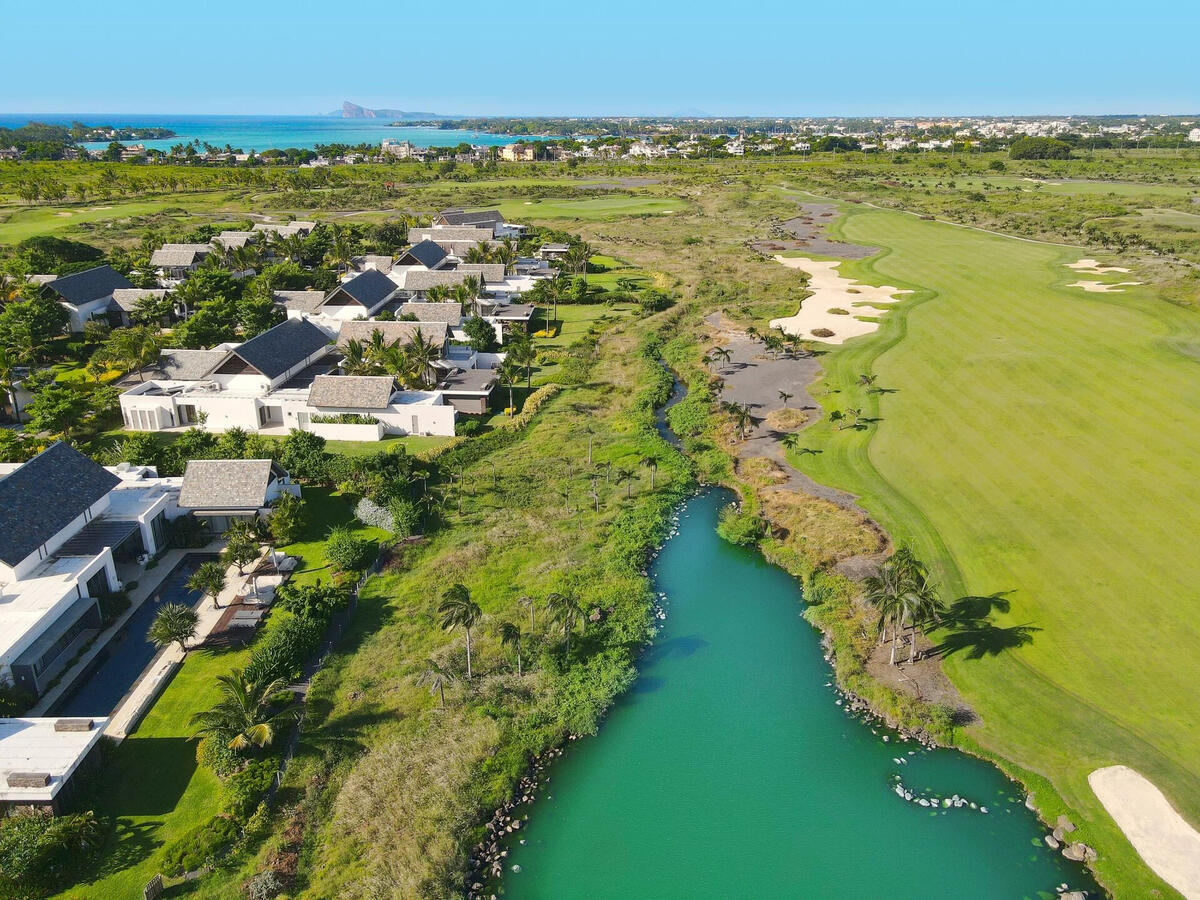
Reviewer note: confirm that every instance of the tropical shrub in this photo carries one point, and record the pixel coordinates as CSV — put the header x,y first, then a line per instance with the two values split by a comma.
x,y
406,517
245,788
201,846
346,551
287,519
345,419
740,526
38,851
370,513
264,886
283,650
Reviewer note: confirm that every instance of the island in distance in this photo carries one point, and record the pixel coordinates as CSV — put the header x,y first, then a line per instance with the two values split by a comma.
x,y
354,111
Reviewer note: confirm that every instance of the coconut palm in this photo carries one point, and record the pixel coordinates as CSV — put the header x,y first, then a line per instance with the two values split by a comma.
x,y
8,380
522,351
903,595
340,251
577,259
625,475
784,397
355,361
421,355
528,601
437,677
721,353
867,380
459,610
565,612
174,623
507,253
651,462
249,712
510,636
509,374
208,580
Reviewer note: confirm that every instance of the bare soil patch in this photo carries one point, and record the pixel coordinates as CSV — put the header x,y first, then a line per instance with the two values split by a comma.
x,y
923,679
807,232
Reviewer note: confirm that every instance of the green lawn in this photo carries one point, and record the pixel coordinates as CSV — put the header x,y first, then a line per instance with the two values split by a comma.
x,y
18,223
151,785
1040,441
589,208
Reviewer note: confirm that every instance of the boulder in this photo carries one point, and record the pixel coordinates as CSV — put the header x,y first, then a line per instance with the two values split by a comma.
x,y
1052,842
1078,852
1065,824
1058,834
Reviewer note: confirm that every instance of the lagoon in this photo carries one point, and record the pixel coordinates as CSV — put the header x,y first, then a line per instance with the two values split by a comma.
x,y
730,770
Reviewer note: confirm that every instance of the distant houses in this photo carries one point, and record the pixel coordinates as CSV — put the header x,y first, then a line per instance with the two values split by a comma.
x,y
88,294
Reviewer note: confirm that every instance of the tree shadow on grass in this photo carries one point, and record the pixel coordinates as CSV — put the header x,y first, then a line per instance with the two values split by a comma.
x,y
968,621
148,776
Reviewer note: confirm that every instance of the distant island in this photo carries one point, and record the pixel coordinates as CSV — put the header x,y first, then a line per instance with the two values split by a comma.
x,y
354,111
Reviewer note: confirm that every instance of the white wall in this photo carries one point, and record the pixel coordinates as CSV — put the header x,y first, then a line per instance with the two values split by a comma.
x,y
346,432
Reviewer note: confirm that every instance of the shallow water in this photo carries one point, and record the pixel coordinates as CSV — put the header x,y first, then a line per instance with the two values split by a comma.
x,y
731,771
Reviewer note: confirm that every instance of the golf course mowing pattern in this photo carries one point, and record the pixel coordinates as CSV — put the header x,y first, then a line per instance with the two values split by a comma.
x,y
589,208
1039,441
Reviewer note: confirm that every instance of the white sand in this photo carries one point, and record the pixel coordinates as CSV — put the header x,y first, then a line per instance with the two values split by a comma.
x,y
1163,838
1092,267
1100,287
830,290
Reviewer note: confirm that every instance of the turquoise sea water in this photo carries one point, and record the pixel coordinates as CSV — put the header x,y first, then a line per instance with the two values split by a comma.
x,y
248,133
730,771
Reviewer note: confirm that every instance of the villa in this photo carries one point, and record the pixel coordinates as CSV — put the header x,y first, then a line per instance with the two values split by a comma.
x,y
285,229
88,294
69,528
222,491
266,385
484,218
39,757
174,262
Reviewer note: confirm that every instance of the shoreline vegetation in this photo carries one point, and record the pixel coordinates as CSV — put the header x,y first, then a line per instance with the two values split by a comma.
x,y
393,782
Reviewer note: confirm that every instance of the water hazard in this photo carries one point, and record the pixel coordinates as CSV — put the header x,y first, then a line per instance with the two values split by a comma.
x,y
730,770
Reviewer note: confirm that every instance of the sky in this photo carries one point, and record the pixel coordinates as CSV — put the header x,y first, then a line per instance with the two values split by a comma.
x,y
616,57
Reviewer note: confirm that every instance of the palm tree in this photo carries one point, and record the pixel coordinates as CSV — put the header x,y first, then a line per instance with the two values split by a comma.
x,y
625,475
340,252
721,353
174,623
867,380
742,417
784,397
356,361
208,580
421,354
528,601
577,259
8,381
509,374
553,292
564,611
507,254
522,351
510,636
458,609
437,677
249,712
651,462
902,594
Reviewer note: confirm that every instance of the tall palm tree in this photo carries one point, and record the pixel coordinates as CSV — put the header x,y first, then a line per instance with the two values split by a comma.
x,y
340,251
902,594
784,397
355,361
625,475
249,712
651,462
721,353
8,380
528,601
565,612
521,350
421,354
208,580
553,291
577,259
507,253
459,610
437,677
510,636
509,374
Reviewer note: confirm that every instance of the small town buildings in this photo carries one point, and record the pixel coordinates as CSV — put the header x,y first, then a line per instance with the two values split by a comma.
x,y
285,229
517,152
88,294
553,251
363,295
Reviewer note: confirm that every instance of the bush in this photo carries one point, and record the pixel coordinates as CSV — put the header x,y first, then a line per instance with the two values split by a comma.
x,y
282,651
200,847
406,517
13,700
467,427
244,789
264,886
655,301
370,513
347,552
480,334
302,453
312,601
346,419
215,755
739,526
37,851
1039,148
286,522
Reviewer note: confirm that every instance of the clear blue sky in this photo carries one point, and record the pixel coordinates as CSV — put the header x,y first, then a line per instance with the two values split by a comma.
x,y
508,57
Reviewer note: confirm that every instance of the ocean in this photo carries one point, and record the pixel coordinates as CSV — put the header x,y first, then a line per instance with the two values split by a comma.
x,y
248,133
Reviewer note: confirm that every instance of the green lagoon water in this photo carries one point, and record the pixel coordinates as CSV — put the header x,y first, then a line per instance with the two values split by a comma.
x,y
730,771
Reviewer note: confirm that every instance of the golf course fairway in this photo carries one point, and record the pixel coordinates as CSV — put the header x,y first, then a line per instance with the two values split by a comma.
x,y
1039,443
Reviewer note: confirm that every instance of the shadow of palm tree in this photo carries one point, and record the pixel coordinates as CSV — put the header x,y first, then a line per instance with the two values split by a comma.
x,y
972,631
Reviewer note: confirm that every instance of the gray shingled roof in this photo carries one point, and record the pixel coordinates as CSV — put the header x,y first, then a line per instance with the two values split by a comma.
x,y
45,495
91,284
226,483
303,301
280,348
231,239
422,253
378,261
127,298
371,288
187,365
450,233
361,330
488,272
450,313
352,391
488,217
423,279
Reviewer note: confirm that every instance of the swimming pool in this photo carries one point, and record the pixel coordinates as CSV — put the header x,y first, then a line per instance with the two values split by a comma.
x,y
99,689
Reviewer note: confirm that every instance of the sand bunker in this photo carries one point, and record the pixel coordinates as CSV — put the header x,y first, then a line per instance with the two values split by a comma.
x,y
1100,287
830,290
1092,267
1163,838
